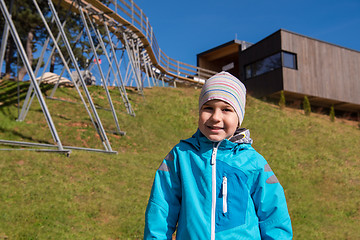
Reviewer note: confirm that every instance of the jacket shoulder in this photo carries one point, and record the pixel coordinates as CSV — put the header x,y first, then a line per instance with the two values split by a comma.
x,y
253,157
182,146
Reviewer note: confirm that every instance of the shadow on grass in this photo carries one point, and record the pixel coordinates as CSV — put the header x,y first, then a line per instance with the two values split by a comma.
x,y
13,93
23,137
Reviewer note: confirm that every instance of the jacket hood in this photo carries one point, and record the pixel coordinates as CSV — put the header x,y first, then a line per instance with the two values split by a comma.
x,y
241,136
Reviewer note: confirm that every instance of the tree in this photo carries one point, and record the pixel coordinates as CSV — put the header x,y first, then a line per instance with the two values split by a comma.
x,y
33,34
30,29
282,101
306,106
332,113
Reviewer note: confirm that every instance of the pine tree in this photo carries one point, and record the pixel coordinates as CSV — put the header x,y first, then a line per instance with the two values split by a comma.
x,y
306,106
332,114
282,101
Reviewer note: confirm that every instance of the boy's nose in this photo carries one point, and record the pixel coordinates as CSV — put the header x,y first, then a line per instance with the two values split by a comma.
x,y
216,116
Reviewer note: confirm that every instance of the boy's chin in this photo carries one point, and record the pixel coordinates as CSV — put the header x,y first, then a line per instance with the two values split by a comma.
x,y
215,138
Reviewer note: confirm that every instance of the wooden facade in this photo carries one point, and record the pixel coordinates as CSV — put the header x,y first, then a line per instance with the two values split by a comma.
x,y
328,74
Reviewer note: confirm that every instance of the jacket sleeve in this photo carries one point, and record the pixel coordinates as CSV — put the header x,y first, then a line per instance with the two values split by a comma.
x,y
163,208
270,205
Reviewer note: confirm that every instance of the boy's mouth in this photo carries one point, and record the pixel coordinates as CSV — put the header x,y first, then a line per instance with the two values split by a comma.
x,y
215,127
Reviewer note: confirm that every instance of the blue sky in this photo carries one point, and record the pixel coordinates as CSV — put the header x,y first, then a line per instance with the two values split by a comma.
x,y
185,28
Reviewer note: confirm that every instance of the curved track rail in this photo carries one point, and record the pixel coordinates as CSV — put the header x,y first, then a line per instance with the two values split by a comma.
x,y
125,16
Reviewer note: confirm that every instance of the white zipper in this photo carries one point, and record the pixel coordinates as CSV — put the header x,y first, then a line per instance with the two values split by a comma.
x,y
213,189
224,193
213,155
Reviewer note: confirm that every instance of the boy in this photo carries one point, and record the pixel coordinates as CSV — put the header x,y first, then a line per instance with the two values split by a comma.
x,y
215,185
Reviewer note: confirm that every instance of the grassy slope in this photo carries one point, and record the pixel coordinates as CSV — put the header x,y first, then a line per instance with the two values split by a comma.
x,y
103,196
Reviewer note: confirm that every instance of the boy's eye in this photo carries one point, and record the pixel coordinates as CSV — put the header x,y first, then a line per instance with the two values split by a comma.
x,y
207,108
227,110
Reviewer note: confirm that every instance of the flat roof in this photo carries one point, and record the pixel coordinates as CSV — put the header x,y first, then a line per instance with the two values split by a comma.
x,y
223,50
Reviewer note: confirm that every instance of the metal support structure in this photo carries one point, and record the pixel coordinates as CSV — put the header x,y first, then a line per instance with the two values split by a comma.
x,y
131,51
102,133
128,73
121,84
4,44
66,151
29,98
111,68
27,103
32,76
100,70
5,38
140,62
66,63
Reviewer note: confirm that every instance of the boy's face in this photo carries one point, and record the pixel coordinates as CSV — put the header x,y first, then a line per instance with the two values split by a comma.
x,y
217,120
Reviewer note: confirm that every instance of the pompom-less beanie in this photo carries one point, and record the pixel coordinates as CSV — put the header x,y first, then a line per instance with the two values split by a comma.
x,y
224,86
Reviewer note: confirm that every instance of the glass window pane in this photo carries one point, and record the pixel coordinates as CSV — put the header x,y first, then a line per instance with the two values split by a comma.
x,y
268,64
289,60
248,71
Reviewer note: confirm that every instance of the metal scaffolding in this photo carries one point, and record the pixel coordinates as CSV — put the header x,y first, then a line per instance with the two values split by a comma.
x,y
127,46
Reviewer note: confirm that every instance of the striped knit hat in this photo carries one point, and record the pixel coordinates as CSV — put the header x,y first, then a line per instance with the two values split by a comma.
x,y
224,86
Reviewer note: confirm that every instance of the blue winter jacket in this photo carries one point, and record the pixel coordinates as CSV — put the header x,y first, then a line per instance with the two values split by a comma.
x,y
216,190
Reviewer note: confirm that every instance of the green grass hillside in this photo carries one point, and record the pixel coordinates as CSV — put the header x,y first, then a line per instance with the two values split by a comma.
x,y
93,195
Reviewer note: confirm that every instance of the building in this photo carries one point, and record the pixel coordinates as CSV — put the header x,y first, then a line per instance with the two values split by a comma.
x,y
300,66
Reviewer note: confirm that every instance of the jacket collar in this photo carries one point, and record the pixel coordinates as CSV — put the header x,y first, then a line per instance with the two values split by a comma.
x,y
241,136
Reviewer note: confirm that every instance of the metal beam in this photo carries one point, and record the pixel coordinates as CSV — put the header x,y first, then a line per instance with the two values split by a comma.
x,y
31,74
102,133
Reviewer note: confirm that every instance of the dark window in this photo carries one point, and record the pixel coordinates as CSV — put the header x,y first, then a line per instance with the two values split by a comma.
x,y
267,64
248,71
289,60
270,63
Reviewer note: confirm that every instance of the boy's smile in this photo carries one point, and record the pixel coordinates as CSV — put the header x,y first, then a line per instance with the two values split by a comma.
x,y
217,120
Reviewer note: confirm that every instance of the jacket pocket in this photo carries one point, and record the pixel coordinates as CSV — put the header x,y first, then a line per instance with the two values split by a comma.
x,y
232,197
